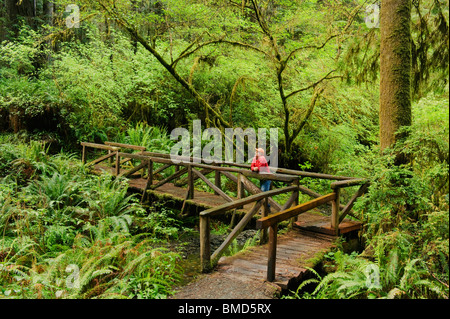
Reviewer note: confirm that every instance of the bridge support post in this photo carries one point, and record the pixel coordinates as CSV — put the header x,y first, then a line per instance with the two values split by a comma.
x,y
295,194
190,194
335,211
273,229
83,155
150,172
117,168
240,188
205,247
264,232
217,180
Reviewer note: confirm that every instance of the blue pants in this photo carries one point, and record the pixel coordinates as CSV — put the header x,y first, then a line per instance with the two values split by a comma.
x,y
265,185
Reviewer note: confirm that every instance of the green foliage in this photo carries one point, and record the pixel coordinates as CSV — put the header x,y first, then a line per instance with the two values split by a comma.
x,y
162,223
56,191
406,219
108,197
427,145
58,237
69,234
153,283
358,278
23,161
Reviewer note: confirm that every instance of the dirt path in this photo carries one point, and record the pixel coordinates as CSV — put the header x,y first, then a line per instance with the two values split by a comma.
x,y
216,285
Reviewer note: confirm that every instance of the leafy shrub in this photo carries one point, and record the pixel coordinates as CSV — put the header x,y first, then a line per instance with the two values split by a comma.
x,y
57,191
427,145
108,197
156,279
162,223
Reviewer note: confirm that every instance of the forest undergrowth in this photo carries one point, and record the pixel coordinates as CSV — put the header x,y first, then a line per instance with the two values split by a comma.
x,y
66,233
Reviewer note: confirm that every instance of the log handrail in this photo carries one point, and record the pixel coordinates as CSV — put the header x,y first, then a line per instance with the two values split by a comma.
x,y
194,160
247,200
348,183
293,211
197,162
272,222
129,146
247,166
285,175
245,172
98,146
241,170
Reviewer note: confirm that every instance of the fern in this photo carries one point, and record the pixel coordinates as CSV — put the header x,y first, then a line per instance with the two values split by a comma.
x,y
328,279
109,198
155,139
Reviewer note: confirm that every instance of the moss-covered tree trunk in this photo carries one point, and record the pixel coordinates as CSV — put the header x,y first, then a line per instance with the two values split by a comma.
x,y
395,70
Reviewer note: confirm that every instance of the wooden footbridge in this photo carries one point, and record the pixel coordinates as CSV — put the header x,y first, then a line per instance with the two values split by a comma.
x,y
279,258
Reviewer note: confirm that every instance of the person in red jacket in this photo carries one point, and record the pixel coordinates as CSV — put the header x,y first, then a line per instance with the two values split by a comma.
x,y
260,165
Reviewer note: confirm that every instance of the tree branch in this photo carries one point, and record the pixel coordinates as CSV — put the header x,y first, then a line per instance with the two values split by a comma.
x,y
326,77
318,47
185,53
311,106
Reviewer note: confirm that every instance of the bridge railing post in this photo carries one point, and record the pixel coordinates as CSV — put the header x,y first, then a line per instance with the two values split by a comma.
x,y
117,168
83,155
240,188
150,172
190,194
271,263
205,246
335,210
217,179
296,194
264,232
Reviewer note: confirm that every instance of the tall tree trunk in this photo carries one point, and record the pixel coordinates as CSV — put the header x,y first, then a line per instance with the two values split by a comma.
x,y
395,71
25,9
48,11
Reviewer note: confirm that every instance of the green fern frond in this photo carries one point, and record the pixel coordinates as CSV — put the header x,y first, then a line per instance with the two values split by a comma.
x,y
330,278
